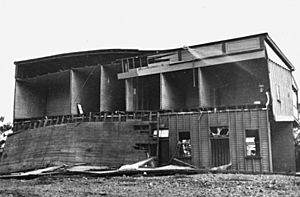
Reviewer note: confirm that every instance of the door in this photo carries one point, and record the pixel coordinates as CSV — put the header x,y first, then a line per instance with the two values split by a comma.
x,y
220,154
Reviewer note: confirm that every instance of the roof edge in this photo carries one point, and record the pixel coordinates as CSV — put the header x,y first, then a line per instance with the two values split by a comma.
x,y
278,52
81,53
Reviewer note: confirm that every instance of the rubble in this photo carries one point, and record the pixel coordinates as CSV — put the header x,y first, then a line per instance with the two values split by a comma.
x,y
144,167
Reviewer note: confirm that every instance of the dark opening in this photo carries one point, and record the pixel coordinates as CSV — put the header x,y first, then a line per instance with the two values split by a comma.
x,y
185,144
252,143
180,90
220,153
147,92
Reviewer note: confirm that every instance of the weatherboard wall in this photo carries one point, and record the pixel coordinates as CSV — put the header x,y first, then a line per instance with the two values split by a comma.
x,y
198,124
96,143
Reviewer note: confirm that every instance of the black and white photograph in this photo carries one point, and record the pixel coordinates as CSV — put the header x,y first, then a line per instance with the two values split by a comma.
x,y
149,98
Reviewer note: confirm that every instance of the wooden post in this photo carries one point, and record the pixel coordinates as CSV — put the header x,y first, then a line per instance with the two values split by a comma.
x,y
236,143
133,63
128,64
45,122
157,138
150,116
244,140
141,63
259,134
57,120
104,116
51,121
90,116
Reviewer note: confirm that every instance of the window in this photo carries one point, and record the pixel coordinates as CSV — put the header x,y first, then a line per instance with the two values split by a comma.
x,y
252,143
185,144
221,131
163,133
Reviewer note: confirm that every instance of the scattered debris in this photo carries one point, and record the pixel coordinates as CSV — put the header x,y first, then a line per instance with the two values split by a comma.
x,y
82,168
40,171
145,167
136,166
221,168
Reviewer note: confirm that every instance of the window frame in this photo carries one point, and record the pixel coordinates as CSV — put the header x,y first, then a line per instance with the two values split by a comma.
x,y
189,143
257,143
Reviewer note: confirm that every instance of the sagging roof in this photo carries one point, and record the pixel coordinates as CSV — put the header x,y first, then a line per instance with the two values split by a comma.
x,y
85,53
106,56
56,63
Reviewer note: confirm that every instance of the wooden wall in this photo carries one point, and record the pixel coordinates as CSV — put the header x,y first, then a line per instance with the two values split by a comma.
x,y
198,125
96,143
283,148
281,92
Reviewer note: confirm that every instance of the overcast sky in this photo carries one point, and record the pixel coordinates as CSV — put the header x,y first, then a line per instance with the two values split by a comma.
x,y
31,29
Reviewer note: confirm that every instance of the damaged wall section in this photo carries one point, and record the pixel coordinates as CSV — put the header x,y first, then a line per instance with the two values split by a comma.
x,y
97,143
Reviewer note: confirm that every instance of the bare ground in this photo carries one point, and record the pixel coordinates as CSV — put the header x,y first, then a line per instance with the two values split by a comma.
x,y
177,185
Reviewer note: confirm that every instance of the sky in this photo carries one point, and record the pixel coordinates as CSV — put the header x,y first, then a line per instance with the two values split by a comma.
x,y
37,28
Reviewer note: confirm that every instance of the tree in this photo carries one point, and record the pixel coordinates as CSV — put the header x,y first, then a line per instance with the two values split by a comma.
x,y
3,134
6,126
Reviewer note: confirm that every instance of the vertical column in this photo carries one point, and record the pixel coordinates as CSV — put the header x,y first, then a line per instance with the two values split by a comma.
x,y
129,94
164,96
204,94
73,92
104,83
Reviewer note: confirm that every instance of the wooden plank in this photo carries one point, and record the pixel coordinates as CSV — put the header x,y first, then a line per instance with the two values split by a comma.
x,y
192,64
242,45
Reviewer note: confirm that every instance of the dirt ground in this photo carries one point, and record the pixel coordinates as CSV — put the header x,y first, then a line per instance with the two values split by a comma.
x,y
177,185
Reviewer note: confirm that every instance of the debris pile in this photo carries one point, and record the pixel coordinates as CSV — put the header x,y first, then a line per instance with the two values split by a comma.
x,y
145,167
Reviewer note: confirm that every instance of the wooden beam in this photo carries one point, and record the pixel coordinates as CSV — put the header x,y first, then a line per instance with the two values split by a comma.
x,y
192,64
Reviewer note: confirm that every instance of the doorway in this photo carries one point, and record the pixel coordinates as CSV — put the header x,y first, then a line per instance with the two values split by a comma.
x,y
219,141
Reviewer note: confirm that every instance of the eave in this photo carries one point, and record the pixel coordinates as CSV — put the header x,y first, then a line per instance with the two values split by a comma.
x,y
279,52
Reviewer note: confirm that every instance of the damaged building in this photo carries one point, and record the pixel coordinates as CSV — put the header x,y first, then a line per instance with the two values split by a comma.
x,y
227,102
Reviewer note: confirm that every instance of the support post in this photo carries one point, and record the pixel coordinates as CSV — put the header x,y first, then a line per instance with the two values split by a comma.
x,y
157,138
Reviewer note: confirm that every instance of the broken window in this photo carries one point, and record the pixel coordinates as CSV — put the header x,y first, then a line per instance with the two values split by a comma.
x,y
252,143
185,144
221,131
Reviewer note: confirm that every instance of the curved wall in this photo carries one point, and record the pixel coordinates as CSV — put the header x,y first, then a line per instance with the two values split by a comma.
x,y
96,143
